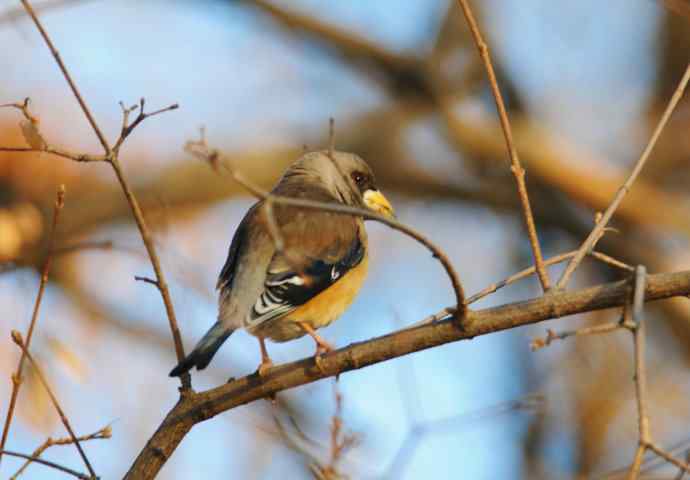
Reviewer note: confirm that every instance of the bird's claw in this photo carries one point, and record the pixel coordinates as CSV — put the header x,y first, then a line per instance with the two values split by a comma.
x,y
322,348
264,367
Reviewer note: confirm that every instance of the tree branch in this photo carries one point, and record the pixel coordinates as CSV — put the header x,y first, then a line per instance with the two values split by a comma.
x,y
623,190
17,337
193,408
45,270
112,157
101,138
47,463
516,166
103,433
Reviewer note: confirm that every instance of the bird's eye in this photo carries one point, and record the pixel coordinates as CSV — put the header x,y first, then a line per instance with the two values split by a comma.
x,y
358,177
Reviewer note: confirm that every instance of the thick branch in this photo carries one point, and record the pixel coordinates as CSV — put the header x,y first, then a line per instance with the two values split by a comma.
x,y
198,407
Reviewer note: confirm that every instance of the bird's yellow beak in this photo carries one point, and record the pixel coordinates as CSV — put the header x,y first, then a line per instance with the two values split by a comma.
x,y
376,201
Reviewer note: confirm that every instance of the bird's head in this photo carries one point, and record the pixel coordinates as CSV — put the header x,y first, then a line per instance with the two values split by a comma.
x,y
346,176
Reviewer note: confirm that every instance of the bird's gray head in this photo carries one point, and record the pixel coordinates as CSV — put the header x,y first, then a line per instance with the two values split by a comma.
x,y
346,177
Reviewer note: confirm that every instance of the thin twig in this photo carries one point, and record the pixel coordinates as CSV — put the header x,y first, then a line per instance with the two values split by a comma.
x,y
112,157
640,371
201,150
603,258
68,77
146,280
516,167
60,152
623,190
340,442
47,463
33,135
161,284
551,261
17,337
684,468
650,463
103,433
45,270
127,128
669,458
551,335
18,13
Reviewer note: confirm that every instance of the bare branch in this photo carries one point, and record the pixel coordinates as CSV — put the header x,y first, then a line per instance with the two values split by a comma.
x,y
669,458
128,128
45,270
29,9
640,366
551,261
516,167
18,13
623,190
112,157
103,433
47,463
146,280
17,337
683,469
640,378
36,140
193,407
551,335
161,284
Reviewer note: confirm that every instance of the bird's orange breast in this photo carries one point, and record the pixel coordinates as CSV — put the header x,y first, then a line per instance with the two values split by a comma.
x,y
324,308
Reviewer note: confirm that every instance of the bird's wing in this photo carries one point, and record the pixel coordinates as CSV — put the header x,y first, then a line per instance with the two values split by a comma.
x,y
320,247
239,240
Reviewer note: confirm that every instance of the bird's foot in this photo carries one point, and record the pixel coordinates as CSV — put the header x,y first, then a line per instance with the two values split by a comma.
x,y
322,348
264,367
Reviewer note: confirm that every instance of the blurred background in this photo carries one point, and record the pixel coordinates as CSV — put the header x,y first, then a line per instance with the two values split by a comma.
x,y
585,82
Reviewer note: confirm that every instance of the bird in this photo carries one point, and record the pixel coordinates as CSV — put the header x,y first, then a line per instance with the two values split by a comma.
x,y
285,293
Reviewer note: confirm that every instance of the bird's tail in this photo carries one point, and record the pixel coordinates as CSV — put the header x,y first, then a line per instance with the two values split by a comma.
x,y
204,351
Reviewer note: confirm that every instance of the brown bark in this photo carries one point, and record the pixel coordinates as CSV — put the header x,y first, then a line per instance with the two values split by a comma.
x,y
193,408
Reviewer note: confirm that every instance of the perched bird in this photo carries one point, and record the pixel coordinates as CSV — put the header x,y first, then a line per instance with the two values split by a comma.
x,y
288,293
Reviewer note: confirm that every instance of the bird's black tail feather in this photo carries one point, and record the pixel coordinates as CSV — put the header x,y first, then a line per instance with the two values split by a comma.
x,y
204,351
